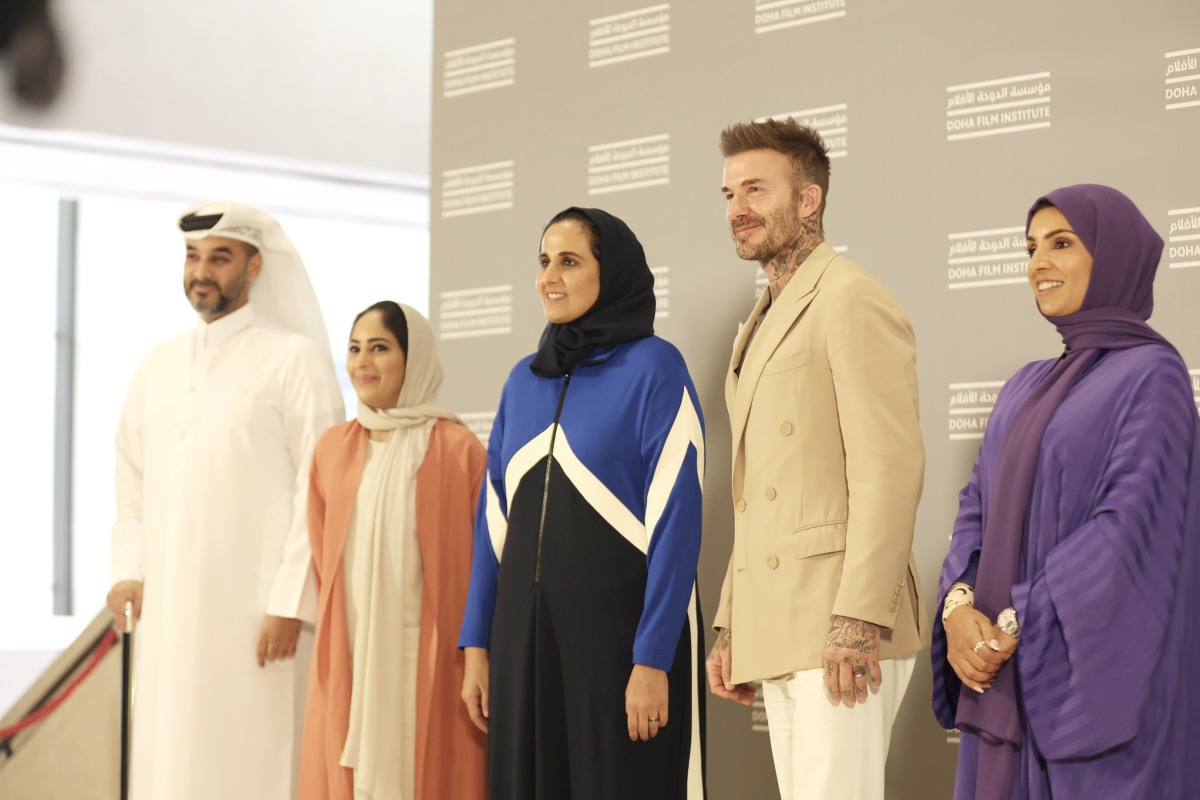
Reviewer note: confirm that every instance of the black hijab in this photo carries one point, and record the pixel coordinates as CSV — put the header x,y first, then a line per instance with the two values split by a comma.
x,y
623,311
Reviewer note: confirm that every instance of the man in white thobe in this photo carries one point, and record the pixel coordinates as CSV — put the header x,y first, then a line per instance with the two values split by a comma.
x,y
211,542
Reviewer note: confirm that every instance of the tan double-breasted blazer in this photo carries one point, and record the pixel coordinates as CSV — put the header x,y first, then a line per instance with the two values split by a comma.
x,y
828,466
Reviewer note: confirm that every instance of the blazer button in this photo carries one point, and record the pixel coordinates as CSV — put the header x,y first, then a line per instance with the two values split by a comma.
x,y
900,583
894,606
786,429
772,562
770,492
740,505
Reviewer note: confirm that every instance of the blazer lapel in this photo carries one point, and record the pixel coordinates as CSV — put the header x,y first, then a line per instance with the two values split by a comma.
x,y
744,334
779,320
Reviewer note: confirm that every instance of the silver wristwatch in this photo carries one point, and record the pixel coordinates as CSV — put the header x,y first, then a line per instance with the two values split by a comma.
x,y
1007,622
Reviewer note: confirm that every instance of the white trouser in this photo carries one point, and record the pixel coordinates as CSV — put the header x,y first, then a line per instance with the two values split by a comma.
x,y
823,751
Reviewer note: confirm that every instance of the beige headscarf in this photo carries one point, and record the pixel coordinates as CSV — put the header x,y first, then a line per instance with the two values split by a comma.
x,y
422,379
388,508
282,293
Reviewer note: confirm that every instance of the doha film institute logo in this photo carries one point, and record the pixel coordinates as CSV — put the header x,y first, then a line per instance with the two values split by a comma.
x,y
970,406
777,15
479,68
998,106
481,311
982,258
478,188
1183,238
629,164
629,36
1182,80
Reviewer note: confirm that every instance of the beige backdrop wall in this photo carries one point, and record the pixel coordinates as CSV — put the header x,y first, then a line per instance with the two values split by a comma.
x,y
945,120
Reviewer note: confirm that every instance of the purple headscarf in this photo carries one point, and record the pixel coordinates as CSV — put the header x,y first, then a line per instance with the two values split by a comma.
x,y
1125,251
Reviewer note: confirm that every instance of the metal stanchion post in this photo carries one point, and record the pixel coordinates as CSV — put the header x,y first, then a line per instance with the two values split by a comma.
x,y
126,697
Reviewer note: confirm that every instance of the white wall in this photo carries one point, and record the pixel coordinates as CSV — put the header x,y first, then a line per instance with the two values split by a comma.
x,y
343,82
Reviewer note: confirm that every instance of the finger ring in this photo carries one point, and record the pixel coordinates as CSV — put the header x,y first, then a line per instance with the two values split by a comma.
x,y
651,719
860,671
978,646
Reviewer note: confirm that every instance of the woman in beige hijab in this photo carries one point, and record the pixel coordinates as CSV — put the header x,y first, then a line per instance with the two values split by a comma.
x,y
391,509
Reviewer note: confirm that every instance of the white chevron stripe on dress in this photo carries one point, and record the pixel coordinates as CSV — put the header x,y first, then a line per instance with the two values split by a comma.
x,y
599,496
685,430
496,521
593,490
525,459
695,780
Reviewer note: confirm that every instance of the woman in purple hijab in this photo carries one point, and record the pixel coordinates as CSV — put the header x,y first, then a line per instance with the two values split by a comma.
x,y
1070,609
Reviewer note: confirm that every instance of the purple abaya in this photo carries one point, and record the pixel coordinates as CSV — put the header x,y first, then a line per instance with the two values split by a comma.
x,y
1092,462
1107,594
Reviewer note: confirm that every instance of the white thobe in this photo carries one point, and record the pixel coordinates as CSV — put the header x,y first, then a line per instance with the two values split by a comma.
x,y
213,453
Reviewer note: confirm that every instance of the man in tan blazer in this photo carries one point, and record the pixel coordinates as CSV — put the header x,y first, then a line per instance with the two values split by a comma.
x,y
821,601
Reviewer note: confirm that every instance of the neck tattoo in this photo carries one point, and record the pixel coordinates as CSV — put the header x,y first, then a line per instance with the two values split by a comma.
x,y
783,265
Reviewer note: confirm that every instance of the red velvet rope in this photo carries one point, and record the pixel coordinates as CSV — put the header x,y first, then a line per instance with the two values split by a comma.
x,y
40,714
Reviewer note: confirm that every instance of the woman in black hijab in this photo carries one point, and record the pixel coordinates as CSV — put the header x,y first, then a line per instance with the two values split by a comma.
x,y
582,624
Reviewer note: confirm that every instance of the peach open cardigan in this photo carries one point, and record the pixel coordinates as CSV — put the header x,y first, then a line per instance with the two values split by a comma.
x,y
451,757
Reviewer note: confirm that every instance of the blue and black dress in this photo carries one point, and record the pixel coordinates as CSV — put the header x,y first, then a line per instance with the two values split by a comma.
x,y
586,544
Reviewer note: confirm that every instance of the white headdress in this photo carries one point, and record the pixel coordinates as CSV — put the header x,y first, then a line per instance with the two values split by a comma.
x,y
282,293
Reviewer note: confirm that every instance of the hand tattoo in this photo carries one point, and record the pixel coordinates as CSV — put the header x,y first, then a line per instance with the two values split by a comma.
x,y
853,634
724,638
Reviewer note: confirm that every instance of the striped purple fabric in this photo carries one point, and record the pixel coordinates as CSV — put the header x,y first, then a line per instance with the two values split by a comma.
x,y
1109,594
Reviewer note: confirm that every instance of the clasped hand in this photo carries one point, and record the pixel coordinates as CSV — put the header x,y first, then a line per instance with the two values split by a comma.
x,y
975,648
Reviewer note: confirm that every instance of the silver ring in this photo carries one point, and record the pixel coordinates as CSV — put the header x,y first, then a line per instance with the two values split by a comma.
x,y
860,671
651,719
978,646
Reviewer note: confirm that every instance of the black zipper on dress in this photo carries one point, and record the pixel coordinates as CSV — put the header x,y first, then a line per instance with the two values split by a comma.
x,y
537,567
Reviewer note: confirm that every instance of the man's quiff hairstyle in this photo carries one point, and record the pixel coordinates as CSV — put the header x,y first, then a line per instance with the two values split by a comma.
x,y
800,143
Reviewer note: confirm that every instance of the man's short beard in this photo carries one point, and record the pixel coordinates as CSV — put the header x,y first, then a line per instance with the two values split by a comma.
x,y
217,305
225,297
782,231
754,252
